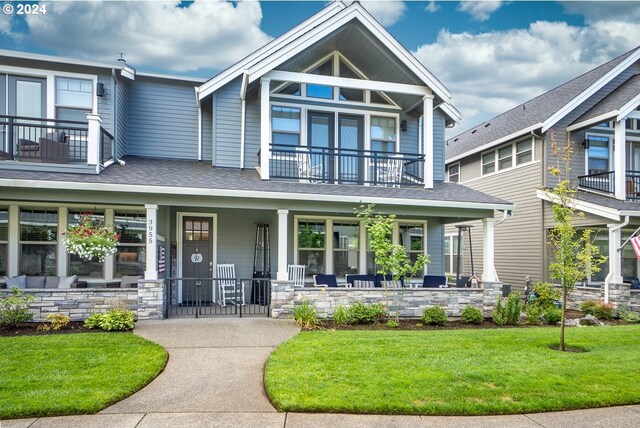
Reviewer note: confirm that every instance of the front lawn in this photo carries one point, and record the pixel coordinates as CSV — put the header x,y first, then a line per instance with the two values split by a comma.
x,y
67,374
461,372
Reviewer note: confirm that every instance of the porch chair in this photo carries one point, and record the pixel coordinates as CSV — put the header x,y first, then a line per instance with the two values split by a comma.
x,y
307,172
322,280
390,172
227,290
296,274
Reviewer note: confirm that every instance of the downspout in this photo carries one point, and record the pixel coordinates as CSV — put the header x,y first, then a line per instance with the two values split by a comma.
x,y
243,108
115,113
505,215
199,106
607,279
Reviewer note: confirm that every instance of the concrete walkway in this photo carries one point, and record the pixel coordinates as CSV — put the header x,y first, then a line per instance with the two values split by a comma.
x,y
214,378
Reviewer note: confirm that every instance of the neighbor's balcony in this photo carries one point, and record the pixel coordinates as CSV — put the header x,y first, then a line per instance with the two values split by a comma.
x,y
604,182
43,140
346,166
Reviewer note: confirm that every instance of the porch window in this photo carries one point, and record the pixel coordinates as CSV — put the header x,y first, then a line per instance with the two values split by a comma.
x,y
598,155
285,124
4,237
77,265
74,98
505,158
489,163
383,134
524,152
131,255
38,241
311,246
345,248
412,239
454,173
450,253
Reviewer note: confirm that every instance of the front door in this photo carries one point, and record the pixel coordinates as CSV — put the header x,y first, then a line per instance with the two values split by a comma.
x,y
197,236
350,145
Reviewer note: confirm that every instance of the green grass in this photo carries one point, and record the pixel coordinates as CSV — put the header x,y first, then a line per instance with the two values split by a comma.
x,y
454,372
73,373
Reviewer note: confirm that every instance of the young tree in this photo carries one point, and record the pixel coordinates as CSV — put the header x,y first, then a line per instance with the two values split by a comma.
x,y
391,260
574,255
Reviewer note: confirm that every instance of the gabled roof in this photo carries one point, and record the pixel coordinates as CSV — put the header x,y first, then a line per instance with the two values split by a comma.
x,y
313,30
540,113
612,104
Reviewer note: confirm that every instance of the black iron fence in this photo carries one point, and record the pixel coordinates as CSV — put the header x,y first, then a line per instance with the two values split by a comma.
x,y
346,166
43,140
601,182
633,185
206,297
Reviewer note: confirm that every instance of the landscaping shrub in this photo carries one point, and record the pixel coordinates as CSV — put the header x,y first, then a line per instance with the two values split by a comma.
x,y
360,313
14,309
392,324
512,309
305,315
434,315
600,310
629,316
552,316
56,322
533,313
498,315
472,315
340,316
118,319
544,295
93,321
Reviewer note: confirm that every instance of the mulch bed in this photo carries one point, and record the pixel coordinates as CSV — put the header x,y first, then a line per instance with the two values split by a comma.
x,y
31,329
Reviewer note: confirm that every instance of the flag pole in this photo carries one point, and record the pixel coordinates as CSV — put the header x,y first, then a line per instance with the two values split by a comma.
x,y
630,238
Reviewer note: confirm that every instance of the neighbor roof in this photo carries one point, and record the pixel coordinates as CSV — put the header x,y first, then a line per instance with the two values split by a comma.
x,y
531,115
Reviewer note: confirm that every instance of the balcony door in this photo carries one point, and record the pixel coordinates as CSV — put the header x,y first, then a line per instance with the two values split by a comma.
x,y
27,96
634,158
350,145
321,140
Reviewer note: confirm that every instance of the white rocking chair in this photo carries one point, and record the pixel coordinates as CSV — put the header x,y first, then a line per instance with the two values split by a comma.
x,y
296,274
227,291
390,173
307,172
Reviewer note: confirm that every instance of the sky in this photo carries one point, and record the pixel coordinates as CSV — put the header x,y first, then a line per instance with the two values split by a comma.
x,y
492,55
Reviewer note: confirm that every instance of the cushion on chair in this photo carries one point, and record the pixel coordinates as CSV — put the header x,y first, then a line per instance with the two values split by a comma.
x,y
130,281
66,281
381,278
351,278
328,280
16,281
52,282
434,281
36,281
635,282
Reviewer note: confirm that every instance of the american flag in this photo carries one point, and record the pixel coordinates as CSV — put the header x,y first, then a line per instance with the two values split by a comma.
x,y
635,243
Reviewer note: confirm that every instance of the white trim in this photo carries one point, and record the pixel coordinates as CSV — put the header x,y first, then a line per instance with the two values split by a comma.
x,y
449,172
486,147
514,157
179,239
282,273
584,95
628,108
588,207
343,82
595,120
199,126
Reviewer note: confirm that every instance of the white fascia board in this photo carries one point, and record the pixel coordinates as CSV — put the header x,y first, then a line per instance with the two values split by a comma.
x,y
494,143
354,11
629,107
582,97
343,82
451,111
589,122
267,50
249,194
171,77
587,207
60,60
630,213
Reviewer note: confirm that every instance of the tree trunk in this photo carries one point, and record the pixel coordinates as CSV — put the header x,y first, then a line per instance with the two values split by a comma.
x,y
564,309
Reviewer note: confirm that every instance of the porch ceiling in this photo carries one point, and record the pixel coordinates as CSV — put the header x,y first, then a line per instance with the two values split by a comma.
x,y
176,177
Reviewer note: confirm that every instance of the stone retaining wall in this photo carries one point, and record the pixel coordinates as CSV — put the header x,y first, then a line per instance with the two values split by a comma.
x,y
78,303
411,301
581,294
151,304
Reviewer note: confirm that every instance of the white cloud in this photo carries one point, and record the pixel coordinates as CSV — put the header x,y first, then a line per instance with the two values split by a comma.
x,y
491,72
5,24
386,12
206,34
479,10
432,7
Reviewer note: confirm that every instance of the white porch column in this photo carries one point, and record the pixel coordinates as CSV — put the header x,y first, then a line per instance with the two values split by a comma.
x,y
151,270
93,139
13,244
427,140
615,259
109,264
619,159
283,245
265,128
63,222
488,250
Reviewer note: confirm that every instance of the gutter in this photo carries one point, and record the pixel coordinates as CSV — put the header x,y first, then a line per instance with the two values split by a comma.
x,y
199,106
615,248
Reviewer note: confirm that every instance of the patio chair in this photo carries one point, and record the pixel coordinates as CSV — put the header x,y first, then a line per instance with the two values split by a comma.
x,y
296,274
322,280
227,290
434,281
307,172
390,172
369,279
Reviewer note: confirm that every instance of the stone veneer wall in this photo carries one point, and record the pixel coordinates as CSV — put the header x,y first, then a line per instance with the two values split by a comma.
x,y
634,300
620,296
77,303
581,294
151,303
411,303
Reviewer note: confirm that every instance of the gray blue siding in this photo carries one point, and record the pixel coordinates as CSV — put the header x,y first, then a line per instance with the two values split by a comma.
x,y
105,103
207,131
435,246
409,139
438,144
162,119
252,133
122,106
227,126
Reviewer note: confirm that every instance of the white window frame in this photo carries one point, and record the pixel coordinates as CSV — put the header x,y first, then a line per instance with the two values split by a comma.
x,y
6,241
55,244
302,123
586,151
455,164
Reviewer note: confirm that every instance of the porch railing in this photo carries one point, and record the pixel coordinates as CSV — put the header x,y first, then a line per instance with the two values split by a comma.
x,y
604,182
346,166
106,146
33,139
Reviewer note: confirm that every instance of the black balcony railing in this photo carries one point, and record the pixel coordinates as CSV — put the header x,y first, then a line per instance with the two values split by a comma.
x,y
604,182
345,166
106,146
43,140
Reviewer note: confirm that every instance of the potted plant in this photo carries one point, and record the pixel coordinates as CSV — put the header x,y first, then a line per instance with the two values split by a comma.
x,y
90,239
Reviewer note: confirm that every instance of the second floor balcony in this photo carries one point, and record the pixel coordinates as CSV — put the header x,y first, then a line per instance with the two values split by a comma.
x,y
33,140
605,182
346,166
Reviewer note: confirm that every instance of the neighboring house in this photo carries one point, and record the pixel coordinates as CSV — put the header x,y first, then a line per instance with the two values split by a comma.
x,y
509,155
332,114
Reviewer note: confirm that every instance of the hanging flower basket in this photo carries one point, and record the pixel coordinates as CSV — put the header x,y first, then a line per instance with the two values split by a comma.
x,y
91,240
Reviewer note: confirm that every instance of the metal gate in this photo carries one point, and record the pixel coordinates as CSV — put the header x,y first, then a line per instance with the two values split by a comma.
x,y
207,297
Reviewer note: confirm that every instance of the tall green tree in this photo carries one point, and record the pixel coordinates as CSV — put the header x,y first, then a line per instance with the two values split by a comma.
x,y
390,259
574,254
